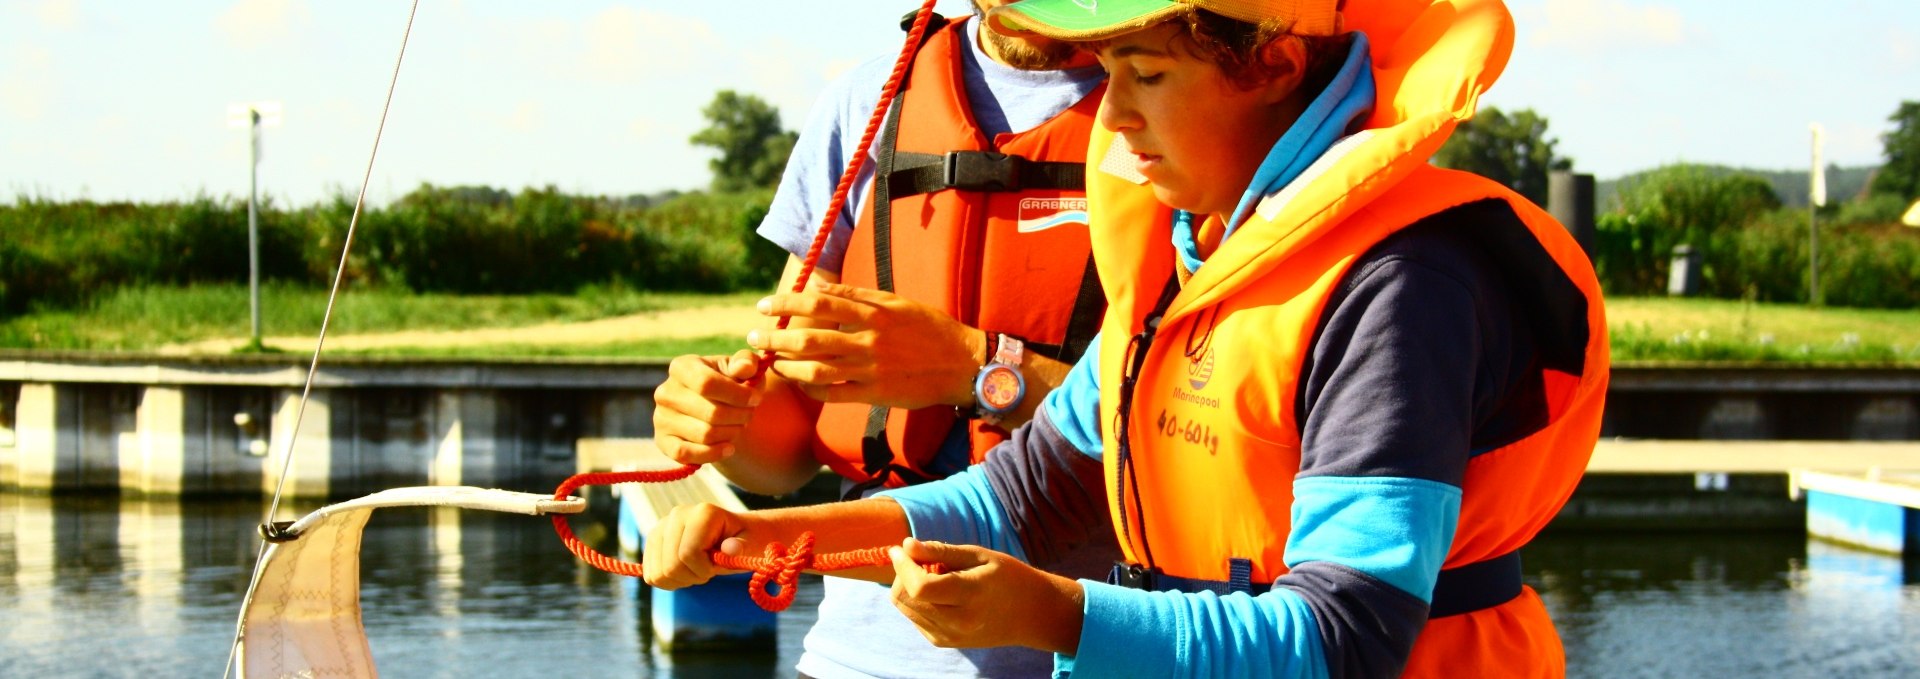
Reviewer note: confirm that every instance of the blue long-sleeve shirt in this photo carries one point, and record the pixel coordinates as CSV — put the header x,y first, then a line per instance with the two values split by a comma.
x,y
1420,363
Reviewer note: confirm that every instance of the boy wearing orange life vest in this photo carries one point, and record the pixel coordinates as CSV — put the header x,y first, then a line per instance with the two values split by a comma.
x,y
1336,390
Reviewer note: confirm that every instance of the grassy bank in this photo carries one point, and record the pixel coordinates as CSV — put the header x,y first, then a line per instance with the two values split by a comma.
x,y
1663,329
148,318
1644,329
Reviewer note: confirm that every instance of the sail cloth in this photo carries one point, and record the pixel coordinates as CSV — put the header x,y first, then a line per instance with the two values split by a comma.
x,y
304,617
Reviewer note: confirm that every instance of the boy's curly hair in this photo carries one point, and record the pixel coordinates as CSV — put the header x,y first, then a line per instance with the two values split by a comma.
x,y
1241,50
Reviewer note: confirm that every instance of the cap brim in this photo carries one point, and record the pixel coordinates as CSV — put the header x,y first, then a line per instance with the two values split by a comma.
x,y
1073,20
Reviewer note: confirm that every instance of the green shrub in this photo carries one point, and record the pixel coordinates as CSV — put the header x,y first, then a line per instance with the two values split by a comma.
x,y
461,240
1750,247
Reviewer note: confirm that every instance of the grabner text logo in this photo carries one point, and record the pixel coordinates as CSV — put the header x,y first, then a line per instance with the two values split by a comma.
x,y
1040,214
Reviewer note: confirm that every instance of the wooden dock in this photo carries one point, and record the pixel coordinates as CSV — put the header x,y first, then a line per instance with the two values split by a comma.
x,y
1668,485
1619,456
1877,510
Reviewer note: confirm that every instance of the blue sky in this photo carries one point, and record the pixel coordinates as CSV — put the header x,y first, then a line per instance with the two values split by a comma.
x,y
127,100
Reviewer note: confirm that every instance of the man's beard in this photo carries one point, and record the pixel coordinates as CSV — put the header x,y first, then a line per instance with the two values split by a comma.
x,y
1022,54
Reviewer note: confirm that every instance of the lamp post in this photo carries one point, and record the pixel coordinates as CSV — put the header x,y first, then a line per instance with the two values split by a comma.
x,y
253,116
1816,198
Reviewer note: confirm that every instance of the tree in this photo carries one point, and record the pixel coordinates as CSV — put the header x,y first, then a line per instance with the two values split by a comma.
x,y
753,148
1695,205
1513,150
1900,177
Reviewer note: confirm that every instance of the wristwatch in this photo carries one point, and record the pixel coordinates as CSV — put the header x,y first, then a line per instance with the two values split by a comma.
x,y
999,388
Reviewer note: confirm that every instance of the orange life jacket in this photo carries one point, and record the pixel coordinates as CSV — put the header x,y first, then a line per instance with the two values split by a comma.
x,y
991,232
1212,445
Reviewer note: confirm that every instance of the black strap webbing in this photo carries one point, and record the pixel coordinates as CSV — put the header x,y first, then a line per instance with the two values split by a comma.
x,y
874,443
985,171
1125,478
883,167
1088,306
883,198
1457,591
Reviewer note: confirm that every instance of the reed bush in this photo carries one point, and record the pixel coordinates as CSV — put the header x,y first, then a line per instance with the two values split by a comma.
x,y
460,240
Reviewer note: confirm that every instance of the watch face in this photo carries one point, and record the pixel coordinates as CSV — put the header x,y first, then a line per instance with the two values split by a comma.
x,y
1000,387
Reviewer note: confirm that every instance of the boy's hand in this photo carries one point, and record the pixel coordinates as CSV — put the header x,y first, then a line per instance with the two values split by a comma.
x,y
888,350
704,405
677,551
985,598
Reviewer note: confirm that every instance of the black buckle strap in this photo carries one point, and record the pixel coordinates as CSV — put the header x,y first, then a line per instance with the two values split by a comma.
x,y
1135,576
983,171
1476,586
1473,587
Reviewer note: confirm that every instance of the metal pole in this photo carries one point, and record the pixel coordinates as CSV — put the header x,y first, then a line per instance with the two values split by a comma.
x,y
253,225
1813,254
1816,197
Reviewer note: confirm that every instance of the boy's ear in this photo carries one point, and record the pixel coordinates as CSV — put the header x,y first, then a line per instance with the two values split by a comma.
x,y
1286,57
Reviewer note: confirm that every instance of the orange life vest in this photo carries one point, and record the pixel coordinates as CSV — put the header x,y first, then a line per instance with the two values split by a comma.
x,y
1212,441
991,232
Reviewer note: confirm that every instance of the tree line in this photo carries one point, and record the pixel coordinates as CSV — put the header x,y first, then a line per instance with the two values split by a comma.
x,y
467,239
1750,228
451,239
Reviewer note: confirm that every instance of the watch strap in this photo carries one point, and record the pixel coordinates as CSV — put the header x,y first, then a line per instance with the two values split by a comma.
x,y
1009,350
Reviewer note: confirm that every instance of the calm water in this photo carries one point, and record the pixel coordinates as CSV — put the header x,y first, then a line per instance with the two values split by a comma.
x,y
94,587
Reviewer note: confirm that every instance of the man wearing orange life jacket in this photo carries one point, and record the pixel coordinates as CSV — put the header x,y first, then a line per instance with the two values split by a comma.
x,y
977,234
1336,391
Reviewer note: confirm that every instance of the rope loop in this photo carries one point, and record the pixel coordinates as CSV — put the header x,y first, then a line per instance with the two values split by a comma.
x,y
778,567
781,566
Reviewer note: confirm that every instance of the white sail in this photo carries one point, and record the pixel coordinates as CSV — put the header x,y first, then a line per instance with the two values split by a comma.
x,y
303,619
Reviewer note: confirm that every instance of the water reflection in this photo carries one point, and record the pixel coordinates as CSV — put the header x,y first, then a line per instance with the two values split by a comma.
x,y
108,587
95,586
1734,604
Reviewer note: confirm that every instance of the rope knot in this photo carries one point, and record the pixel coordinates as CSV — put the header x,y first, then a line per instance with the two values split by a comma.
x,y
782,565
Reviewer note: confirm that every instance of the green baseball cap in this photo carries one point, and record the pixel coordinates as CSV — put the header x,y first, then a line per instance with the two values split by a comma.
x,y
1084,20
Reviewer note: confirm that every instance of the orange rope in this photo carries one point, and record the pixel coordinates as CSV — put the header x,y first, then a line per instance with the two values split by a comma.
x,y
832,215
779,565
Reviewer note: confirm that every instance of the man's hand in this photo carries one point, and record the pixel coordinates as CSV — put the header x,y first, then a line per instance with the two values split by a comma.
x,y
704,405
888,350
985,598
677,551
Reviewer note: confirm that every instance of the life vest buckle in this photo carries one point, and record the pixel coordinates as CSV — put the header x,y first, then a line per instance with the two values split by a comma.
x,y
986,171
1132,576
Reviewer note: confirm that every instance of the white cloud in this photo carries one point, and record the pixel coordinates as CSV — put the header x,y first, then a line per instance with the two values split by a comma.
x,y
1902,50
28,91
642,127
527,116
250,24
59,14
1853,140
624,45
1600,24
835,68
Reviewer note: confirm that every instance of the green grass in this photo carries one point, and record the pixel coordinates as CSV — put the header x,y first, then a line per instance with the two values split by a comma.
x,y
1658,329
142,318
661,348
1644,329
